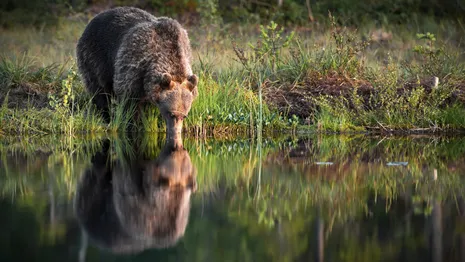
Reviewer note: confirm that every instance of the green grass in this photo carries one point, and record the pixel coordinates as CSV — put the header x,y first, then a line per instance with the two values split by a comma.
x,y
264,82
399,96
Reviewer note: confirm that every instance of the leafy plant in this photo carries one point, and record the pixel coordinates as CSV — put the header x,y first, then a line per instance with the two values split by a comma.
x,y
267,51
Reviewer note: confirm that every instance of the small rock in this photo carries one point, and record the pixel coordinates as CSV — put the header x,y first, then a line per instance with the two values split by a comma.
x,y
324,163
397,163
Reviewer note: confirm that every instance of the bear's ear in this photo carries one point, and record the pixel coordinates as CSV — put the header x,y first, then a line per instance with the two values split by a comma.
x,y
165,82
192,82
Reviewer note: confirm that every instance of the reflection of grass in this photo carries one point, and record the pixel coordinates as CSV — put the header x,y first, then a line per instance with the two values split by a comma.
x,y
281,204
342,190
28,163
286,185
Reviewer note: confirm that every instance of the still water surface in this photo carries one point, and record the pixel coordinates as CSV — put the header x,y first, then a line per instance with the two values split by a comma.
x,y
318,198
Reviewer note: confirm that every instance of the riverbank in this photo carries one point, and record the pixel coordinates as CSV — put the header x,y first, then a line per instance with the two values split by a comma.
x,y
326,78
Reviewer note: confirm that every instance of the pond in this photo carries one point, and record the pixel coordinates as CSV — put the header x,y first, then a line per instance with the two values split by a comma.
x,y
312,198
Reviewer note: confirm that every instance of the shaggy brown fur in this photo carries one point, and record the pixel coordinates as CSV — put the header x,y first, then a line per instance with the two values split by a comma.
x,y
130,206
127,51
157,204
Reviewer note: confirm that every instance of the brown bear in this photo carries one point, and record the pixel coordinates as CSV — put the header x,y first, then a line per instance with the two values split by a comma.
x,y
130,205
126,51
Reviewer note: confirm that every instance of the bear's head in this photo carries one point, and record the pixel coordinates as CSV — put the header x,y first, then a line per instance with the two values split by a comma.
x,y
132,204
174,100
154,203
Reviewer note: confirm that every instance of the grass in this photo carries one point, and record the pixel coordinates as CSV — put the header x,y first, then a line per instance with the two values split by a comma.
x,y
335,90
60,98
325,80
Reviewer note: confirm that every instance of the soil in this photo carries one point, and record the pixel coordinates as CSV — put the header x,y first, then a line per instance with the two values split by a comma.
x,y
24,95
297,98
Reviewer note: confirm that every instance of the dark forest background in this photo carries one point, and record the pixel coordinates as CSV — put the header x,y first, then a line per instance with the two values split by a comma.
x,y
298,12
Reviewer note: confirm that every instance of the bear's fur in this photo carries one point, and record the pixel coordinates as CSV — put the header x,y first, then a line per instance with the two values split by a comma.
x,y
132,205
126,51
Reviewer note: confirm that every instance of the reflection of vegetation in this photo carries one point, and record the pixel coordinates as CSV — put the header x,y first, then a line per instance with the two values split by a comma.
x,y
359,167
358,163
282,205
51,161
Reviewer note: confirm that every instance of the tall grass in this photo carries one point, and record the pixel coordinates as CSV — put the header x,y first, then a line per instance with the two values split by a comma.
x,y
400,98
223,105
341,93
249,87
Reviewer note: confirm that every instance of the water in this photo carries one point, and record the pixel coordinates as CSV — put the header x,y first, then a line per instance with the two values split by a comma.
x,y
318,198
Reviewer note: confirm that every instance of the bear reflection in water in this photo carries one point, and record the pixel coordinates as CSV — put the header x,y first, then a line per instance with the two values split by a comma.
x,y
129,206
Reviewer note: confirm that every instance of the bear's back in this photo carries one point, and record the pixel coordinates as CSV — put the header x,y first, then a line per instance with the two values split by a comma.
x,y
102,37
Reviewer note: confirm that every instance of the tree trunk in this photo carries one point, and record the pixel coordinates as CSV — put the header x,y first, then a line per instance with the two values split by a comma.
x,y
309,10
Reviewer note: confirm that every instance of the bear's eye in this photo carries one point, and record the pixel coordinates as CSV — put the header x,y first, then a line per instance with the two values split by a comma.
x,y
163,181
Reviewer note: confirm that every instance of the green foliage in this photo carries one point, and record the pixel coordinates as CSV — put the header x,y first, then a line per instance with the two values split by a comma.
x,y
266,54
261,64
210,18
233,108
64,99
452,117
172,8
385,12
351,12
436,60
38,12
389,111
394,103
17,71
335,120
344,56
